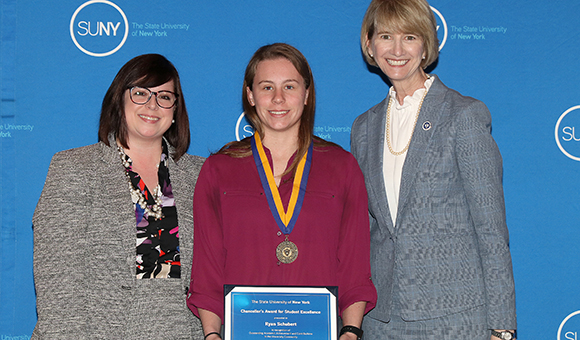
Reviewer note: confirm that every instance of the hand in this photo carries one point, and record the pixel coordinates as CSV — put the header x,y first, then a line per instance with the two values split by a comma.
x,y
348,336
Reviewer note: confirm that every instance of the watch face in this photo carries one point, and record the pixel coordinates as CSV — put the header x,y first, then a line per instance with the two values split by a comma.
x,y
506,335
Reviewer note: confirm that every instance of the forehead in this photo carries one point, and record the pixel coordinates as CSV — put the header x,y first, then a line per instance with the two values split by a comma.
x,y
166,86
275,69
396,27
154,80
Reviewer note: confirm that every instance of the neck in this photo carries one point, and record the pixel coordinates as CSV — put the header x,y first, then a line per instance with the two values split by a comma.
x,y
281,147
407,88
144,154
280,144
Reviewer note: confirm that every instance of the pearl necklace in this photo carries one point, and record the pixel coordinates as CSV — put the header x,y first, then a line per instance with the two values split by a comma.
x,y
398,153
136,194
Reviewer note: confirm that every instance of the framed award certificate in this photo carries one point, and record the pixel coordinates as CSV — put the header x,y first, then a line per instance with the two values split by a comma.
x,y
266,312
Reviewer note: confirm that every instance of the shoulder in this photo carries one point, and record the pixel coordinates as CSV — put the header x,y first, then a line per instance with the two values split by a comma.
x,y
334,155
221,159
185,172
330,149
188,161
457,102
371,114
222,165
366,123
77,158
83,151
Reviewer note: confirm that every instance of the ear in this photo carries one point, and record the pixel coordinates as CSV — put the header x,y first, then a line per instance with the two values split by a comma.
x,y
369,50
306,97
250,96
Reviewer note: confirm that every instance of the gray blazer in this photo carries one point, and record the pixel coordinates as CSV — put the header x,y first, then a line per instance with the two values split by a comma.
x,y
84,253
448,250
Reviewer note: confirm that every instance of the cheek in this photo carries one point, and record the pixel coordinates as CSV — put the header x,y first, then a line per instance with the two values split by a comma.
x,y
170,113
372,47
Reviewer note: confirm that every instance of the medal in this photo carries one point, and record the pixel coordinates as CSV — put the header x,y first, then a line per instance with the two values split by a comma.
x,y
287,251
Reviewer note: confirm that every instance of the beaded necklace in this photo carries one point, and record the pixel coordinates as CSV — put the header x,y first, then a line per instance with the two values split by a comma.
x,y
136,194
388,128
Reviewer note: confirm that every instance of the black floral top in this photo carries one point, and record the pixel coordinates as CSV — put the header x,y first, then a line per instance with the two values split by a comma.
x,y
157,240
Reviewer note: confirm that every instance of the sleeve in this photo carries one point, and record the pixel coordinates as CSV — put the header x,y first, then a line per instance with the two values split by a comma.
x,y
481,171
58,224
207,271
354,273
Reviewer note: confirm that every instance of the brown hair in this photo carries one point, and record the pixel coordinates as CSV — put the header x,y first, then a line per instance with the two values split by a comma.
x,y
404,16
148,70
306,130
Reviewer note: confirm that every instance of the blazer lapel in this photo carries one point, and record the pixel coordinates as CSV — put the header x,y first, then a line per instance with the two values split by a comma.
x,y
120,217
422,135
376,131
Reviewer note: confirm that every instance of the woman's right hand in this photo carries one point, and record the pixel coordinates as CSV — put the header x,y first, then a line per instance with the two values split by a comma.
x,y
211,324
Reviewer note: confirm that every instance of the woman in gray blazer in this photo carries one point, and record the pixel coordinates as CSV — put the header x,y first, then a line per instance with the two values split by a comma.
x,y
113,229
440,253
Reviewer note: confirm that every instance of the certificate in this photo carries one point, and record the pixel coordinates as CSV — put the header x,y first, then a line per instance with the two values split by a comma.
x,y
265,312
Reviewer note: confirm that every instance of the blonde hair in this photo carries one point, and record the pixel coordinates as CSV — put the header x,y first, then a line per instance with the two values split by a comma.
x,y
403,16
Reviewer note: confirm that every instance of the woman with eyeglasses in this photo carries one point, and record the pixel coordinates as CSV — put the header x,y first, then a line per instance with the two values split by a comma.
x,y
113,229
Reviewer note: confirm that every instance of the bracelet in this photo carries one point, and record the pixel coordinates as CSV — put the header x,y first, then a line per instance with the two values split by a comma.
x,y
352,329
212,333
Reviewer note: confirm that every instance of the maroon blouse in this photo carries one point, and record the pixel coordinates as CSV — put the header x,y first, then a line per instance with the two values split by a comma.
x,y
235,234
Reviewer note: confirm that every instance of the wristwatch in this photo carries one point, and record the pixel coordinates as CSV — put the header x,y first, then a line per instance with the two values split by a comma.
x,y
503,335
352,329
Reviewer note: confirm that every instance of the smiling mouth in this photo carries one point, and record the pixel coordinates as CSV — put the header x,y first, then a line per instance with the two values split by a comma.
x,y
278,113
397,62
149,118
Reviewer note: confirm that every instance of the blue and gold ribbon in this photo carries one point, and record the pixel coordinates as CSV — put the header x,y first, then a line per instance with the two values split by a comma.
x,y
285,219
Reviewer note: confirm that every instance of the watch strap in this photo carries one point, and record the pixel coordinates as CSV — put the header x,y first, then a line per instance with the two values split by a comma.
x,y
352,329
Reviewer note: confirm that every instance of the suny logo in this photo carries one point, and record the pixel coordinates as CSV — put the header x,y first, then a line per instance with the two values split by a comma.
x,y
99,28
570,327
567,138
243,128
441,28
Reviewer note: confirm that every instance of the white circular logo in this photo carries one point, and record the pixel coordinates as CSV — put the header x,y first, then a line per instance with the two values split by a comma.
x,y
99,28
441,34
243,128
569,329
565,133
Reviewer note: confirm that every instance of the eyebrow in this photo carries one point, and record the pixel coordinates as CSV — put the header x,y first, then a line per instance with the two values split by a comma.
x,y
285,81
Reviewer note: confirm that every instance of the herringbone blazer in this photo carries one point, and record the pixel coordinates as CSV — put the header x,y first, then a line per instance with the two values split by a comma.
x,y
448,250
85,248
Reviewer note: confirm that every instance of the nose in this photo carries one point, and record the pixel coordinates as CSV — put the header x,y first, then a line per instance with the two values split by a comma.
x,y
397,47
152,103
278,96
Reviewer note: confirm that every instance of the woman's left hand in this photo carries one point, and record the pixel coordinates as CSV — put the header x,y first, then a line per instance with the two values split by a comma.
x,y
348,336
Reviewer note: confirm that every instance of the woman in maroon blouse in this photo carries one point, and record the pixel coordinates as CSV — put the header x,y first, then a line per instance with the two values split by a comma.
x,y
247,231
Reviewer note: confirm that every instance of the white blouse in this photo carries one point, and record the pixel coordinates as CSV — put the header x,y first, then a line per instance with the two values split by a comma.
x,y
403,119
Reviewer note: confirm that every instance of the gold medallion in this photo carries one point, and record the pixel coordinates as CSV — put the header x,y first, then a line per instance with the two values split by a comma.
x,y
287,252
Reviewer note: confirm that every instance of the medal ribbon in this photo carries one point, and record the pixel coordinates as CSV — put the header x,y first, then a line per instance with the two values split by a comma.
x,y
285,219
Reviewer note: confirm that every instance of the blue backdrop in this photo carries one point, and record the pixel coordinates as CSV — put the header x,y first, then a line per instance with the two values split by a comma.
x,y
519,57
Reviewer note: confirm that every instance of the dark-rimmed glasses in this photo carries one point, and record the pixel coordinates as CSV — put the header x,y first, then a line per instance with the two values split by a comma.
x,y
141,96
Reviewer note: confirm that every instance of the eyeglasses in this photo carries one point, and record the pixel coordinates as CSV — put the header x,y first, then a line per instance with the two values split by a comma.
x,y
141,96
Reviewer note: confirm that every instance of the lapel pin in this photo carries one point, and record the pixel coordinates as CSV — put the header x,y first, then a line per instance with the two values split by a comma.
x,y
427,126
